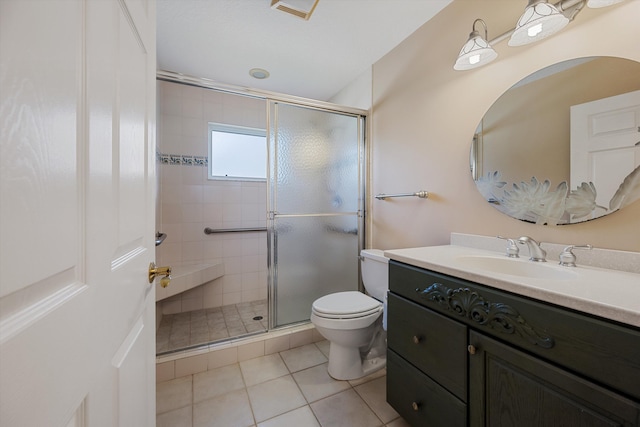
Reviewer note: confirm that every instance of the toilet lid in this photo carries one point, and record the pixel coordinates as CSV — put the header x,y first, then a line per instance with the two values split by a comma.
x,y
345,305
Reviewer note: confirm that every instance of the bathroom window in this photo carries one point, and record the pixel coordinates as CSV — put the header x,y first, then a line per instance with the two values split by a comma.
x,y
237,153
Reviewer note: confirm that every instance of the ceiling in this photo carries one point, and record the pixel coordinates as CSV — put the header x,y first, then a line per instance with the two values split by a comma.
x,y
222,40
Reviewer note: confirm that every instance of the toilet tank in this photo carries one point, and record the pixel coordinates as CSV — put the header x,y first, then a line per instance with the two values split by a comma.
x,y
375,272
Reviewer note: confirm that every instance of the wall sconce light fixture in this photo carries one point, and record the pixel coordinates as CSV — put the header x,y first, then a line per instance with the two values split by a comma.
x,y
539,20
476,51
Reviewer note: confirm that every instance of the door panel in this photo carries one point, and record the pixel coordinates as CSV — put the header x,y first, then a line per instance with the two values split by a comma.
x,y
317,155
40,149
317,255
77,212
316,207
42,285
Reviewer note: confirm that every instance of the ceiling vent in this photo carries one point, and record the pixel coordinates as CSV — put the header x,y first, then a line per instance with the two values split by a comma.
x,y
300,8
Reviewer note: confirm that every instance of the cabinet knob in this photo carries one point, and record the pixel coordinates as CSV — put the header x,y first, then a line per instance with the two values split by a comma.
x,y
471,349
416,339
415,406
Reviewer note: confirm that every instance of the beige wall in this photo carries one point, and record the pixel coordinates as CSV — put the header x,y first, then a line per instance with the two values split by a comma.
x,y
424,114
356,94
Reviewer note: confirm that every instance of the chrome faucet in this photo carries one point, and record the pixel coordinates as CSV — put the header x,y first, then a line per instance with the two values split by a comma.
x,y
535,251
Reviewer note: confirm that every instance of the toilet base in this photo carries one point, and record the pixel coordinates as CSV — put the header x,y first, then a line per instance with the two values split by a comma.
x,y
345,363
350,363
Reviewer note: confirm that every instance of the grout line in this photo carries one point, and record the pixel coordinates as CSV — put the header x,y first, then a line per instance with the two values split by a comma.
x,y
193,399
367,403
246,390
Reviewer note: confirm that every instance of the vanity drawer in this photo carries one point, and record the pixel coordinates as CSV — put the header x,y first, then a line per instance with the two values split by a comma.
x,y
418,399
431,342
604,351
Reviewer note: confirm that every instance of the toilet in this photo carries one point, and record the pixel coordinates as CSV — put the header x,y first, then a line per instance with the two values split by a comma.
x,y
355,323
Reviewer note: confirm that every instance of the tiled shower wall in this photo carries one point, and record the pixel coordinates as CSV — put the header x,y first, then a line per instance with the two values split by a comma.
x,y
189,202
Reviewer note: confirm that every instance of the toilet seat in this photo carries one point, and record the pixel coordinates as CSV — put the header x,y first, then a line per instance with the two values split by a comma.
x,y
346,305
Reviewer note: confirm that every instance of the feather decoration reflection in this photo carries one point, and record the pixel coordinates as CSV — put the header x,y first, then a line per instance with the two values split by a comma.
x,y
628,192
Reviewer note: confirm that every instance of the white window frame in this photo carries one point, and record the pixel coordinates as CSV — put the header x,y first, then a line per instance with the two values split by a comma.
x,y
243,130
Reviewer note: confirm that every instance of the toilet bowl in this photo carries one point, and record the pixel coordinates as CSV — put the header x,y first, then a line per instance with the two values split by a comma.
x,y
352,322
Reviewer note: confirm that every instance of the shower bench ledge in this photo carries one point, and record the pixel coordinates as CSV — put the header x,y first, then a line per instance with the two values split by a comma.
x,y
187,277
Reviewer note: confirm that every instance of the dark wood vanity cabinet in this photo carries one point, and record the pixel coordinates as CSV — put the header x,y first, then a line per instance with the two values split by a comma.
x,y
464,354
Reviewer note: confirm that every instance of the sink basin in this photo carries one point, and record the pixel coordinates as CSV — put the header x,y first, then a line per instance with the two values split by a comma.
x,y
517,267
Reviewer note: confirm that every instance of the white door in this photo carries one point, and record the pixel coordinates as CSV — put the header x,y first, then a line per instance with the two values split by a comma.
x,y
77,174
605,143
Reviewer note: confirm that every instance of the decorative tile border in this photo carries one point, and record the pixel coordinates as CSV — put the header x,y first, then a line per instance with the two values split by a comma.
x,y
179,159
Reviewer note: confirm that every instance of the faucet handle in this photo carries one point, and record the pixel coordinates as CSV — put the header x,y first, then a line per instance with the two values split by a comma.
x,y
512,248
568,258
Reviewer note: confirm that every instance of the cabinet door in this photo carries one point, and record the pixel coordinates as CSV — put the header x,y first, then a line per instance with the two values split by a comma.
x,y
510,388
431,342
420,400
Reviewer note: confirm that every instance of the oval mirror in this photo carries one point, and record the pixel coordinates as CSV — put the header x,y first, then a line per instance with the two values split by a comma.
x,y
563,145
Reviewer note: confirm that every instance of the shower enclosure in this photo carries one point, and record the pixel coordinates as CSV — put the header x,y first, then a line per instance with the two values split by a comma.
x,y
312,204
315,205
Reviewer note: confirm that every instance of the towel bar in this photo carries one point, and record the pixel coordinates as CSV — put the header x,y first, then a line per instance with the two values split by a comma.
x,y
422,194
232,230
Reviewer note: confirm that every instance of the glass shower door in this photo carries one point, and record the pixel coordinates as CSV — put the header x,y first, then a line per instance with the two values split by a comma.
x,y
315,207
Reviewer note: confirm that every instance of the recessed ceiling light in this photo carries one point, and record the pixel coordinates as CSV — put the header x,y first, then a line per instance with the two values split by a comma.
x,y
258,73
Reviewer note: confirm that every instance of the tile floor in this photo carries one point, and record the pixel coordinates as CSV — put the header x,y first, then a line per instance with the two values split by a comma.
x,y
192,328
290,388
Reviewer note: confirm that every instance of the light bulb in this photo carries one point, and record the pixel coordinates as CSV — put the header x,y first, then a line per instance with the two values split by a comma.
x,y
535,30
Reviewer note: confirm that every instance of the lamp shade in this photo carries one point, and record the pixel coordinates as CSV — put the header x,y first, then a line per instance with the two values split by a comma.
x,y
539,20
475,53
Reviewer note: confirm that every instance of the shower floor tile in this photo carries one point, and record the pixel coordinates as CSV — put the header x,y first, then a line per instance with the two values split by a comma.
x,y
191,328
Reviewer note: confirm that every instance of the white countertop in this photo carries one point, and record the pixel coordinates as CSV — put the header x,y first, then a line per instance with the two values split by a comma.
x,y
610,294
